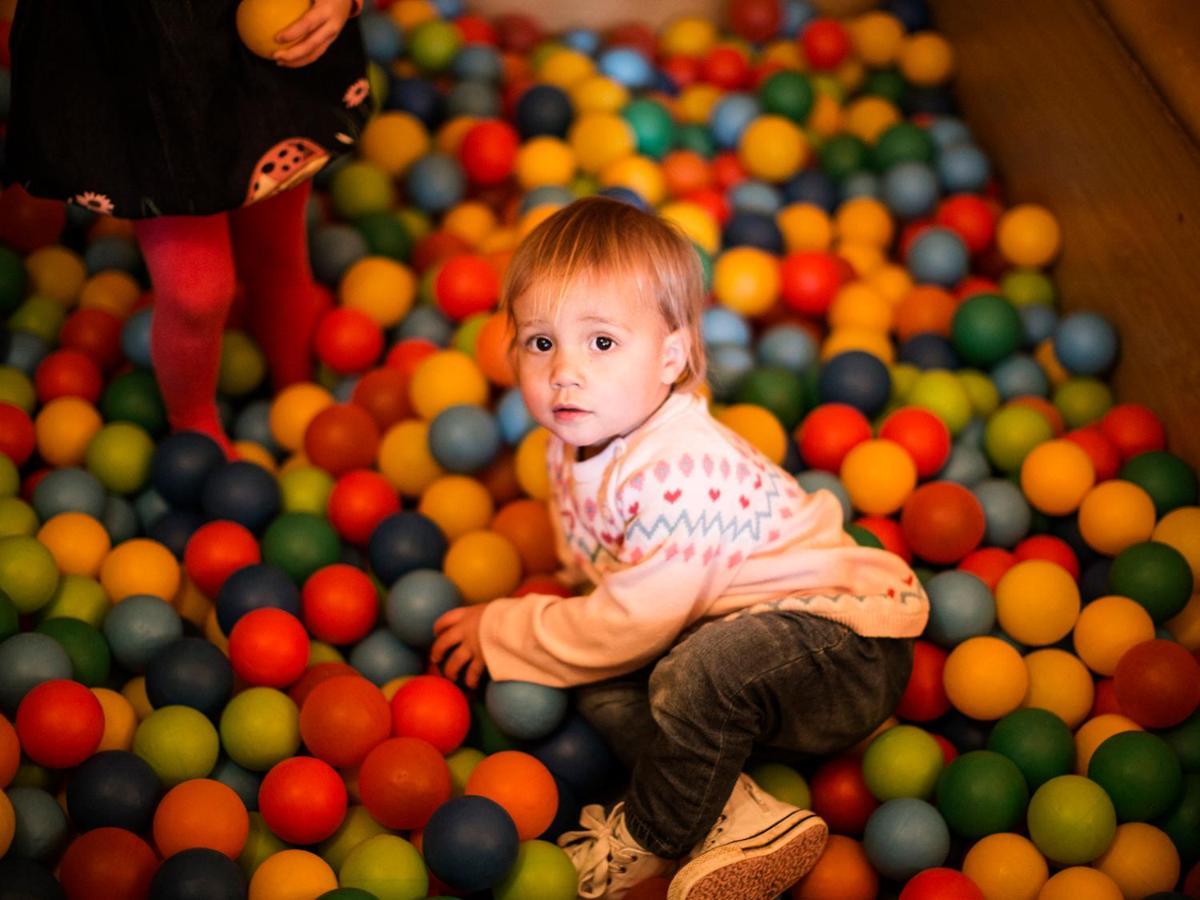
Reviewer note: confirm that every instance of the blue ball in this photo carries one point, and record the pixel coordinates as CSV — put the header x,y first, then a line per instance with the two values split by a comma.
x,y
910,189
435,182
477,98
190,672
947,131
1085,343
927,101
25,352
464,438
41,826
1020,375
120,519
524,710
1007,514
26,660
478,62
405,541
813,480
1093,580
861,184
69,490
253,424
242,492
967,465
730,116
426,322
135,338
787,347
721,325
857,378
628,196
418,97
963,169
938,256
626,66
545,195
257,586
577,754
149,505
113,789
198,873
753,229
470,843
812,186
566,817
513,417
381,656
960,606
728,364
112,252
181,465
450,9
333,249
243,782
544,109
382,38
416,601
796,14
904,836
755,197
913,14
138,627
584,40
1039,321
929,351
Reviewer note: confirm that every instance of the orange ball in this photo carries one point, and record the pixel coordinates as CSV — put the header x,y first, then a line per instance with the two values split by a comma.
x,y
201,812
526,523
522,785
10,752
383,393
843,871
492,350
924,309
343,719
942,522
342,437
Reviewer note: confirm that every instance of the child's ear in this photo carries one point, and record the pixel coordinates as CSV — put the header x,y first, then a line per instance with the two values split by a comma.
x,y
676,348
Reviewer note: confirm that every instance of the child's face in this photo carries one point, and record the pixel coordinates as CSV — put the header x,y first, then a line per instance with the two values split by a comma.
x,y
600,366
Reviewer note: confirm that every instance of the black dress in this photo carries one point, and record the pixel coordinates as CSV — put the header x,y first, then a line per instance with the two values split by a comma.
x,y
141,108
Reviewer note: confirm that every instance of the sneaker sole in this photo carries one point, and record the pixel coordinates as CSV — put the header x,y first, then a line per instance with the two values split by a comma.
x,y
757,868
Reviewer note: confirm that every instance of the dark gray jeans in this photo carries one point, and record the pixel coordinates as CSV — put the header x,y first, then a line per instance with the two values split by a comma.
x,y
788,683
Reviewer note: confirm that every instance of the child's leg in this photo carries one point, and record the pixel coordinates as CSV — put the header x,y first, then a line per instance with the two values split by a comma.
x,y
619,709
191,266
283,303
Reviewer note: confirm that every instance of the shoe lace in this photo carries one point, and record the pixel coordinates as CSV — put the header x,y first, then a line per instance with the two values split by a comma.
x,y
596,848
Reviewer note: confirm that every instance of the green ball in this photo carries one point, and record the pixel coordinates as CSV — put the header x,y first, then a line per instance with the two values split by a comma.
x,y
787,94
17,389
17,518
902,142
1082,400
982,793
1071,820
783,783
904,761
863,537
10,478
178,742
484,733
12,281
260,727
39,316
1037,741
28,573
260,843
243,365
119,455
360,188
386,865
653,128
301,543
1010,433
78,597
1184,740
1182,824
943,394
134,397
85,646
466,336
1155,575
543,871
305,489
1170,482
777,390
843,155
434,44
985,329
696,138
10,620
462,763
1027,286
1140,773
385,235
356,827
886,83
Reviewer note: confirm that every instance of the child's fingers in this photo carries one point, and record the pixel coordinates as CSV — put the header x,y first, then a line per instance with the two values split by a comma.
x,y
441,644
307,50
458,659
474,672
303,26
446,619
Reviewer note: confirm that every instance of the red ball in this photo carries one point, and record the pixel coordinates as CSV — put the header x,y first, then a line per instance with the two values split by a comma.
x,y
107,864
1157,683
383,392
435,248
466,285
826,44
359,501
17,435
888,532
726,67
988,564
542,584
683,71
727,170
348,341
1102,452
317,674
433,709
975,284
59,723
949,751
402,781
68,373
922,434
343,719
518,33
340,438
829,432
713,200
474,29
339,604
941,884
28,222
924,698
634,35
302,800
970,217
809,281
1105,699
756,20
488,151
841,797
268,647
215,551
1049,548
942,521
408,354
1133,429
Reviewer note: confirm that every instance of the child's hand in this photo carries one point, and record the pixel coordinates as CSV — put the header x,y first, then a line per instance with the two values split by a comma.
x,y
459,627
313,32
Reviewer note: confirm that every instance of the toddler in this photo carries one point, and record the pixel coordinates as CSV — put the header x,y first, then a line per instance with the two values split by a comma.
x,y
730,611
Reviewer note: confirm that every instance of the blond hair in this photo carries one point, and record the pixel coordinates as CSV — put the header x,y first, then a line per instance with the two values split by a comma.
x,y
598,237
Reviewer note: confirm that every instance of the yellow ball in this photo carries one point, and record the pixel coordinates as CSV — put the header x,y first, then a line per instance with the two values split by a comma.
x,y
864,220
112,291
63,428
640,174
695,221
259,21
472,221
981,391
892,281
1006,867
532,474
457,504
746,279
393,141
1079,882
408,14
120,720
1114,515
544,160
926,59
985,678
1056,475
1096,731
805,226
688,36
444,379
1037,602
1141,859
869,340
1185,626
600,94
17,389
564,67
380,287
1028,235
293,409
134,692
858,305
1181,529
879,475
243,365
292,875
405,459
483,565
140,566
877,37
450,136
1107,627
56,273
77,542
757,426
772,148
696,102
868,117
1059,682
599,139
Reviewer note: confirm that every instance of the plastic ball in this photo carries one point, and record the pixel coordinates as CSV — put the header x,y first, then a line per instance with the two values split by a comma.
x,y
1168,480
290,874
1115,515
1158,683
985,678
464,438
904,836
385,866
241,492
1142,861
1133,429
108,864
1006,865
254,587
483,565
1061,683
1028,235
343,719
470,842
404,542
339,604
986,329
258,23
922,434
293,409
542,871
842,870
28,573
215,551
178,742
302,800
521,785
59,723
1094,732
829,432
268,647
195,873
1011,433
1056,476
1140,773
746,280
938,256
27,660
942,883
1071,820
942,521
1037,602
982,793
417,600
402,782
444,379
960,606
1107,628
1085,343
432,709
524,710
1080,881
879,476
904,761
200,813
1155,575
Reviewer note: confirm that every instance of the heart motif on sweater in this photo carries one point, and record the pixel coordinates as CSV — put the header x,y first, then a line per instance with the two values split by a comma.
x,y
713,494
733,560
672,496
633,508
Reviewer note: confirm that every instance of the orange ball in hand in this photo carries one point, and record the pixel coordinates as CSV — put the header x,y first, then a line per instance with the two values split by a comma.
x,y
258,21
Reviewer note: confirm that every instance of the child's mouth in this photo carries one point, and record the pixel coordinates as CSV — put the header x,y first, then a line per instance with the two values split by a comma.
x,y
568,413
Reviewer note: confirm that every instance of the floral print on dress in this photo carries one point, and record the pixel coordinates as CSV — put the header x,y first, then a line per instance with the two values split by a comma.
x,y
356,93
93,201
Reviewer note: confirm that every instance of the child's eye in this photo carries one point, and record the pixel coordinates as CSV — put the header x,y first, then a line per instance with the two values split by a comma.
x,y
604,343
540,343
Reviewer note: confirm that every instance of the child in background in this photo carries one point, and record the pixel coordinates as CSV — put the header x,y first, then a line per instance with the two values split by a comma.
x,y
730,610
156,111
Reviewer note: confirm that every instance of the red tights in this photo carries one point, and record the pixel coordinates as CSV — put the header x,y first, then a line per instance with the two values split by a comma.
x,y
192,261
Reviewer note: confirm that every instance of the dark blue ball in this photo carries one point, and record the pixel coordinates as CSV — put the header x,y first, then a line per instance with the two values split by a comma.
x,y
403,542
181,465
1093,580
625,195
255,587
913,14
243,782
753,230
470,843
198,874
964,733
577,754
544,109
929,351
115,789
566,817
190,672
174,528
244,493
858,378
417,97
812,186
930,101
24,879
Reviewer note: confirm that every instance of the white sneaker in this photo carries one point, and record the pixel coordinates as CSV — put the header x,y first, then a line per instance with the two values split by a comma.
x,y
757,848
608,861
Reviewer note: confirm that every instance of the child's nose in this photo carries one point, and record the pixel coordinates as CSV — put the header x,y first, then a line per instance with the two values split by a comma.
x,y
566,371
